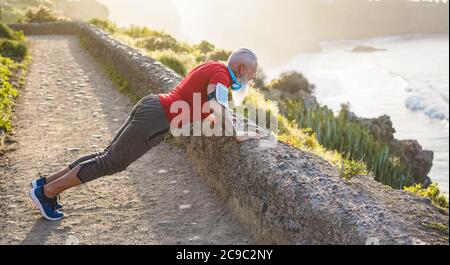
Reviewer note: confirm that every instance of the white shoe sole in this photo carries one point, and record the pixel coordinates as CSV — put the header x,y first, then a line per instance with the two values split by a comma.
x,y
38,204
33,184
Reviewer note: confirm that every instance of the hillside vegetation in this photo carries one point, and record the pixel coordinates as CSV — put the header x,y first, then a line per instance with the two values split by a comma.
x,y
13,58
13,11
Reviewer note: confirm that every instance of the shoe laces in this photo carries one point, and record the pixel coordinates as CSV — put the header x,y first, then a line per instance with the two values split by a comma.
x,y
43,177
54,201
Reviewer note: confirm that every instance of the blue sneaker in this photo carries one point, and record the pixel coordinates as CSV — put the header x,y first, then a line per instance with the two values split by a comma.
x,y
45,205
41,181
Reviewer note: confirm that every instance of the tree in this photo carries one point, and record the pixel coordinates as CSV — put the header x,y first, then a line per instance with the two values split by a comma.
x,y
205,47
40,14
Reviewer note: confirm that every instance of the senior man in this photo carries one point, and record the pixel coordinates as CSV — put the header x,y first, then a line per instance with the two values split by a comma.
x,y
150,119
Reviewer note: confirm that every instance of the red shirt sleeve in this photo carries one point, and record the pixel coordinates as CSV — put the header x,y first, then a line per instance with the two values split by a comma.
x,y
219,76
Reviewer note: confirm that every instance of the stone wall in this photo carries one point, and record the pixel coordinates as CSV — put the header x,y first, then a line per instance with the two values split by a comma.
x,y
2,138
282,195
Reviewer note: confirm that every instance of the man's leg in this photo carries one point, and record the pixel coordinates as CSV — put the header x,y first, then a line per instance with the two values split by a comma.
x,y
144,131
69,180
57,175
67,169
64,171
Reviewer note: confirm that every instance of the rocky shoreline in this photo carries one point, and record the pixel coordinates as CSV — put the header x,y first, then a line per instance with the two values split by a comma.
x,y
410,152
363,48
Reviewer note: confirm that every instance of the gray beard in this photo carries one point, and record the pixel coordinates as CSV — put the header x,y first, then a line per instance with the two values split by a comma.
x,y
243,81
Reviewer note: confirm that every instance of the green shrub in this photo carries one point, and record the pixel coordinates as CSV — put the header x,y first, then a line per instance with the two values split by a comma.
x,y
351,168
174,63
7,33
41,14
291,82
431,192
205,47
18,36
7,93
219,55
122,83
104,24
138,32
160,41
13,49
187,59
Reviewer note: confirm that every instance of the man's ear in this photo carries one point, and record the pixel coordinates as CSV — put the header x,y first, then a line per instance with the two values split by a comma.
x,y
241,70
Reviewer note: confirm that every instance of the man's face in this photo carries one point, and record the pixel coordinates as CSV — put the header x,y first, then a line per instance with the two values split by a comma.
x,y
248,73
252,73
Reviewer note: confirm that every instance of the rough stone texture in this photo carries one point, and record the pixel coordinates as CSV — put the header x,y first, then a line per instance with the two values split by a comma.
x,y
2,138
381,128
281,194
289,196
420,161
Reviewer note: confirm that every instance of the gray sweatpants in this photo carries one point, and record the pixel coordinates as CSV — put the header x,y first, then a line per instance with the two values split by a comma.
x,y
144,129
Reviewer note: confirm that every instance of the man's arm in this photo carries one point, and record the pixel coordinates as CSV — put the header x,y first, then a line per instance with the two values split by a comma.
x,y
222,114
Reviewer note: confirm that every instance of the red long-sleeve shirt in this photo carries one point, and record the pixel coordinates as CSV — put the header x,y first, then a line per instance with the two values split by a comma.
x,y
196,81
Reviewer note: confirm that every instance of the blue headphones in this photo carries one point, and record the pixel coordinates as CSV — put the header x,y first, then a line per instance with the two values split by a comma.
x,y
236,85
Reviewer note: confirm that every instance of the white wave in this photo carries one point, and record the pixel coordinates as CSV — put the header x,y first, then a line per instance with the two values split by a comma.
x,y
414,103
435,114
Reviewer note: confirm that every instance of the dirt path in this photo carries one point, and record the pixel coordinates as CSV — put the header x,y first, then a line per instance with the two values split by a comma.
x,y
69,108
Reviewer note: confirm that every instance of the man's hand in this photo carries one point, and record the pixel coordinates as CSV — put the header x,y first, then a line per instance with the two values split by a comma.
x,y
243,138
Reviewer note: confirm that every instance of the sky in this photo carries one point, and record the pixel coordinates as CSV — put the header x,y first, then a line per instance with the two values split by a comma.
x,y
275,29
228,24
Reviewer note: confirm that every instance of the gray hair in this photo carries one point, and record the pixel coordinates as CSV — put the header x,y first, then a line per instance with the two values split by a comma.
x,y
242,56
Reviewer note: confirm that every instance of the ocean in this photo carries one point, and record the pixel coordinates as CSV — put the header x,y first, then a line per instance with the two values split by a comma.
x,y
407,80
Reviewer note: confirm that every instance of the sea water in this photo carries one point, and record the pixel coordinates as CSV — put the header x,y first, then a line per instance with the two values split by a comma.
x,y
408,79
